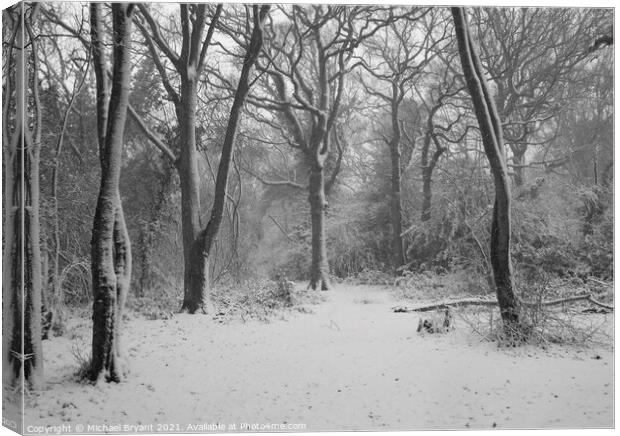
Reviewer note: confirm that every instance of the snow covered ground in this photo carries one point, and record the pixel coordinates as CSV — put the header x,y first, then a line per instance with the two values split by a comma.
x,y
353,364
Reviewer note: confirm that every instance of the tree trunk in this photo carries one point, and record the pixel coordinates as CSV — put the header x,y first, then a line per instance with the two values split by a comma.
x,y
110,248
196,274
54,290
46,312
427,194
23,277
398,251
145,242
518,159
428,166
319,268
492,137
196,265
22,351
198,270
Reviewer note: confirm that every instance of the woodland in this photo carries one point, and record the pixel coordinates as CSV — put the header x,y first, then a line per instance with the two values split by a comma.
x,y
224,166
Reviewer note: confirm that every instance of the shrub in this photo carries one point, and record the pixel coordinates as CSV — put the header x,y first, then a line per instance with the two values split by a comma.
x,y
358,241
82,360
372,277
260,299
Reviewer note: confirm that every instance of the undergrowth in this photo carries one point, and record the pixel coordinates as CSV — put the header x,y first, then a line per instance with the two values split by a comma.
x,y
83,362
431,286
539,326
262,299
577,323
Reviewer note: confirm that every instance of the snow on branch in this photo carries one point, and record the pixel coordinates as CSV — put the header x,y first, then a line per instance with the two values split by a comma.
x,y
481,302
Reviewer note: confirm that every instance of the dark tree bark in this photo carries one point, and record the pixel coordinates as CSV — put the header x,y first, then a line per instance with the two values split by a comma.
x,y
110,247
21,283
492,138
46,312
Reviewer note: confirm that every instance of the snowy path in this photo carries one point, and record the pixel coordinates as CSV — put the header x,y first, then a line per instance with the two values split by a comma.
x,y
353,364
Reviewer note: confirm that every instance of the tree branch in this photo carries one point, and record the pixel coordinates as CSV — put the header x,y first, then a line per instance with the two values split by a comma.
x,y
492,303
152,136
207,41
289,183
163,46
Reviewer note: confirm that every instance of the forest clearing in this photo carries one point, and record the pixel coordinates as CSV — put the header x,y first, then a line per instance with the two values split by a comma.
x,y
349,363
287,217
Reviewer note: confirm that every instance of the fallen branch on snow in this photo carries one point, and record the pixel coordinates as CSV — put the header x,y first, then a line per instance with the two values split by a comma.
x,y
479,302
600,282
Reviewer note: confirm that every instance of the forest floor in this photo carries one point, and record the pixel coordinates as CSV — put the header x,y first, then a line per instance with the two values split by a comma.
x,y
349,363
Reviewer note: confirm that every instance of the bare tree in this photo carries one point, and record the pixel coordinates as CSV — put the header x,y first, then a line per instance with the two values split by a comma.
x,y
304,71
243,88
492,138
21,137
395,60
532,70
188,64
110,246
197,239
444,118
59,71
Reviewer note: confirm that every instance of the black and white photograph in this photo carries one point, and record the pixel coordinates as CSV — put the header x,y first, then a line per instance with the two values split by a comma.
x,y
307,217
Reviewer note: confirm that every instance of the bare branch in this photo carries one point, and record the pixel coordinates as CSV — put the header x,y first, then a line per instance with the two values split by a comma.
x,y
152,136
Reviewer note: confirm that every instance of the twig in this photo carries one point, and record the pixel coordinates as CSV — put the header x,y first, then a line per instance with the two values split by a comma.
x,y
281,228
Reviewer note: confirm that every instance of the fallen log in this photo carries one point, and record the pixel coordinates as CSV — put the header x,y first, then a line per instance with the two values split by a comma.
x,y
445,305
488,303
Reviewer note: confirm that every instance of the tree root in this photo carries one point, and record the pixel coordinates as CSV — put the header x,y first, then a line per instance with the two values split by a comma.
x,y
479,302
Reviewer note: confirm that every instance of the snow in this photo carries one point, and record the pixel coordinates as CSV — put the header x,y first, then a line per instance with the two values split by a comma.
x,y
353,364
